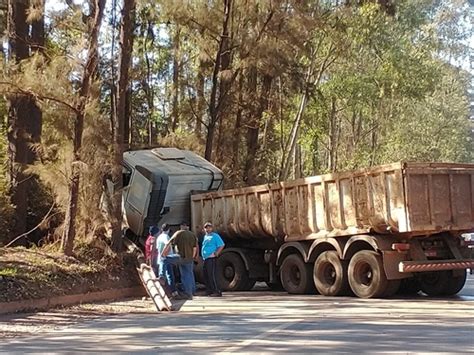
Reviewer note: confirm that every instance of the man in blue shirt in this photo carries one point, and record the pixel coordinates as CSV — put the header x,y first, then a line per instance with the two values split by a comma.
x,y
212,246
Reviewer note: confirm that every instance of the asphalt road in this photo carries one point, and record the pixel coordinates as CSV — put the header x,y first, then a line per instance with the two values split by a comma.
x,y
269,322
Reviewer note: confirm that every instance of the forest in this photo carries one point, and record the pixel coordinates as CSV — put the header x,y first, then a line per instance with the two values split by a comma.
x,y
267,90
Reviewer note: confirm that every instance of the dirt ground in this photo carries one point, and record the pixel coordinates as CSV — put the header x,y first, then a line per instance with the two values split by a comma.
x,y
37,272
25,324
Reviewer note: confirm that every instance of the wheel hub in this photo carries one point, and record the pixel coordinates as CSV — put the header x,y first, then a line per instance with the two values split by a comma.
x,y
431,278
366,275
329,274
295,275
229,272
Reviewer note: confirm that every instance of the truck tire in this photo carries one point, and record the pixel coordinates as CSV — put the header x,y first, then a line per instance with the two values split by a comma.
x,y
295,275
366,274
409,287
275,286
434,283
249,285
330,274
199,272
442,283
231,273
455,284
392,288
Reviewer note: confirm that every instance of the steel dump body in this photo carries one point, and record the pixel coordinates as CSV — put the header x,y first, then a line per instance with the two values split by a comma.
x,y
406,199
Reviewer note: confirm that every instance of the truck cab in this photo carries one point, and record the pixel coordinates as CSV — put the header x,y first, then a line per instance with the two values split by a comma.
x,y
158,184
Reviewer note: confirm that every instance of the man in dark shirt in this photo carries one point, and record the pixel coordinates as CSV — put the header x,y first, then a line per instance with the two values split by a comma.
x,y
186,245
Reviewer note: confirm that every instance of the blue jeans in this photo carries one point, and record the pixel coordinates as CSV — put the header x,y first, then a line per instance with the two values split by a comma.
x,y
166,271
186,268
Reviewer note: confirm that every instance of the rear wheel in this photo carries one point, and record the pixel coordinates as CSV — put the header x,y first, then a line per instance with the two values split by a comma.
x,y
249,285
442,283
409,286
275,286
434,283
330,274
366,274
392,288
295,275
456,283
199,272
231,273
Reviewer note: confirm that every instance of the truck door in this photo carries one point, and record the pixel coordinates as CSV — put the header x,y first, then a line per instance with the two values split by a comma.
x,y
137,198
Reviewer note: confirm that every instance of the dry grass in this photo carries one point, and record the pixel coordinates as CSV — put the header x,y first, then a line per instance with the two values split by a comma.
x,y
43,272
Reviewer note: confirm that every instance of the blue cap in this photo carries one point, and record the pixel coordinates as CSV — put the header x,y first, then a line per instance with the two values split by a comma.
x,y
154,230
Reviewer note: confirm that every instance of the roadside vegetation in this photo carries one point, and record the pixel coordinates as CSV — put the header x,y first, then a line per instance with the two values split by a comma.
x,y
266,90
33,273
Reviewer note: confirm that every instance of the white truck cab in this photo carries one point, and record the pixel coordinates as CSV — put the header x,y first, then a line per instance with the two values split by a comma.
x,y
158,184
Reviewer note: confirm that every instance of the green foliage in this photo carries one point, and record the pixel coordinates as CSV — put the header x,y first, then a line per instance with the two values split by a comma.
x,y
183,139
379,88
54,169
434,129
378,75
8,272
391,97
49,80
6,209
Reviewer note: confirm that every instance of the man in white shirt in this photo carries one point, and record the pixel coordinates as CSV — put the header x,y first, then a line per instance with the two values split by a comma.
x,y
165,264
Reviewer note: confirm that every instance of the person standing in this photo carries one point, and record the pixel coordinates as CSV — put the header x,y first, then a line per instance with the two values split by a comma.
x,y
165,263
186,244
150,248
212,246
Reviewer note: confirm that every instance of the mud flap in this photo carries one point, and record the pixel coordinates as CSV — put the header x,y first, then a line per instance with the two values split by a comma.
x,y
391,260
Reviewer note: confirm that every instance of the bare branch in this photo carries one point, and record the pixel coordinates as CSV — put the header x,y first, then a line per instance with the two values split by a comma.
x,y
213,34
196,116
37,226
41,97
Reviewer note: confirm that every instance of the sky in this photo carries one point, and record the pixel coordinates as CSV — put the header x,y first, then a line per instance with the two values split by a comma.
x,y
56,5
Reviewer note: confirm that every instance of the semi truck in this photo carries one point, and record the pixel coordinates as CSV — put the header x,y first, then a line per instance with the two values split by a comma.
x,y
369,233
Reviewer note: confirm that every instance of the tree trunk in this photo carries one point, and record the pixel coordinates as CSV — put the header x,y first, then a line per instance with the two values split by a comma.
x,y
290,146
298,163
201,101
147,85
19,111
126,46
176,75
250,169
225,83
333,141
35,123
219,89
127,130
69,235
293,136
37,29
237,132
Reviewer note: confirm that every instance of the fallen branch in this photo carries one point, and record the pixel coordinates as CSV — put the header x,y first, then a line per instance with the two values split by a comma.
x,y
37,226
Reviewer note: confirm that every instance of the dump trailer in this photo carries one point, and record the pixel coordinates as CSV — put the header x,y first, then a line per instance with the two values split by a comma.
x,y
371,232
